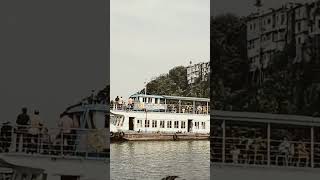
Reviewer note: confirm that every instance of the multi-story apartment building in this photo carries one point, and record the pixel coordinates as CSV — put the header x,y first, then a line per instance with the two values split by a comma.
x,y
270,31
199,70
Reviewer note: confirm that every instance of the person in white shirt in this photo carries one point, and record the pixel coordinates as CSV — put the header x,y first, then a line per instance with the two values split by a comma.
x,y
66,124
34,131
120,102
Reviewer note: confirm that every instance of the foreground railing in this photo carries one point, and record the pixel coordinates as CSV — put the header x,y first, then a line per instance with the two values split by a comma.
x,y
258,151
85,143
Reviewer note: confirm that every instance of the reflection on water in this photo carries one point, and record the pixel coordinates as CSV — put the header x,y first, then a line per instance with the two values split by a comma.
x,y
189,160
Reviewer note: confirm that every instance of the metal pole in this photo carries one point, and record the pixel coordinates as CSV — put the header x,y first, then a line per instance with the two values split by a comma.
x,y
165,104
268,143
207,107
223,141
62,143
194,107
312,147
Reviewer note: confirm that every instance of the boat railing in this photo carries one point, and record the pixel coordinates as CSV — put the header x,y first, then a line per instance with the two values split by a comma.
x,y
264,152
54,142
166,108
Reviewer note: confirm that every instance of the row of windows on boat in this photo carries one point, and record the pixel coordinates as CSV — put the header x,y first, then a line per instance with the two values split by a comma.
x,y
165,124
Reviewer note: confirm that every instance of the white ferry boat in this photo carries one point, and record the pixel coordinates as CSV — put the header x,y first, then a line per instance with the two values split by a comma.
x,y
52,158
154,117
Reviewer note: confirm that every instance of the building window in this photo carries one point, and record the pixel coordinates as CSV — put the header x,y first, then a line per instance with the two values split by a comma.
x,y
183,124
147,123
319,23
299,26
269,21
176,124
154,123
299,40
161,124
282,19
169,124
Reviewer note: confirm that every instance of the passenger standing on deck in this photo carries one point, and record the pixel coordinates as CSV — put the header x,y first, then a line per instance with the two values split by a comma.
x,y
66,123
34,131
130,103
116,100
120,102
22,122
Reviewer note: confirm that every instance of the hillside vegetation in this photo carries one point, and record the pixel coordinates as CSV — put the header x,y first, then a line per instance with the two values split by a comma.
x,y
175,83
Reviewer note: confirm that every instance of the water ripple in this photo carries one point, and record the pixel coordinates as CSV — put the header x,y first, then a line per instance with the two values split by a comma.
x,y
189,160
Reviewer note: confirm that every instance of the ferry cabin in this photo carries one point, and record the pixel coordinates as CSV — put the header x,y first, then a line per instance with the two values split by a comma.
x,y
244,138
164,114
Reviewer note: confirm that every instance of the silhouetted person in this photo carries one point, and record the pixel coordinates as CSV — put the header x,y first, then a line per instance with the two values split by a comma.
x,y
22,122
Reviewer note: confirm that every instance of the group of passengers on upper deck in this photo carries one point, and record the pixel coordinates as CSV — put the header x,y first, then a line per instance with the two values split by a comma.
x,y
120,104
31,136
254,150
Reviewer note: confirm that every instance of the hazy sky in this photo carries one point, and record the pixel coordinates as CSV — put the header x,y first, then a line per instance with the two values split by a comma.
x,y
149,37
53,53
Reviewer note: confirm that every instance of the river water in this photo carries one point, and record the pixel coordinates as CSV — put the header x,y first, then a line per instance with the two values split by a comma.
x,y
154,160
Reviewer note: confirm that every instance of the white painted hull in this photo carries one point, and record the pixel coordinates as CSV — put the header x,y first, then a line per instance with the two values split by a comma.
x,y
86,169
161,116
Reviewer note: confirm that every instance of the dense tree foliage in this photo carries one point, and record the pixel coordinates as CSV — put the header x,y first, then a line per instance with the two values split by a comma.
x,y
287,87
175,83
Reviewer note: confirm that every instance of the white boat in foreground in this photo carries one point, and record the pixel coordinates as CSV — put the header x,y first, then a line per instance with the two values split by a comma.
x,y
86,158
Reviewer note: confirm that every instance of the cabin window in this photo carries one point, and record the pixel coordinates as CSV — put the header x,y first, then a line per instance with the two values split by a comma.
x,y
203,124
183,124
139,123
176,124
154,123
147,123
161,124
196,124
34,177
169,124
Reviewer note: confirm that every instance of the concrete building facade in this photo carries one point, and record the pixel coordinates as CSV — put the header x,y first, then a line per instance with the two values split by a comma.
x,y
199,70
270,31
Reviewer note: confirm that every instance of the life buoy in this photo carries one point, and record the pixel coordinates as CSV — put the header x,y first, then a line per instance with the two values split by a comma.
x,y
121,134
111,134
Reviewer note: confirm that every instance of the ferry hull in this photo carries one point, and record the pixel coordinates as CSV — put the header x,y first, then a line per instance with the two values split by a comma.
x,y
159,137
